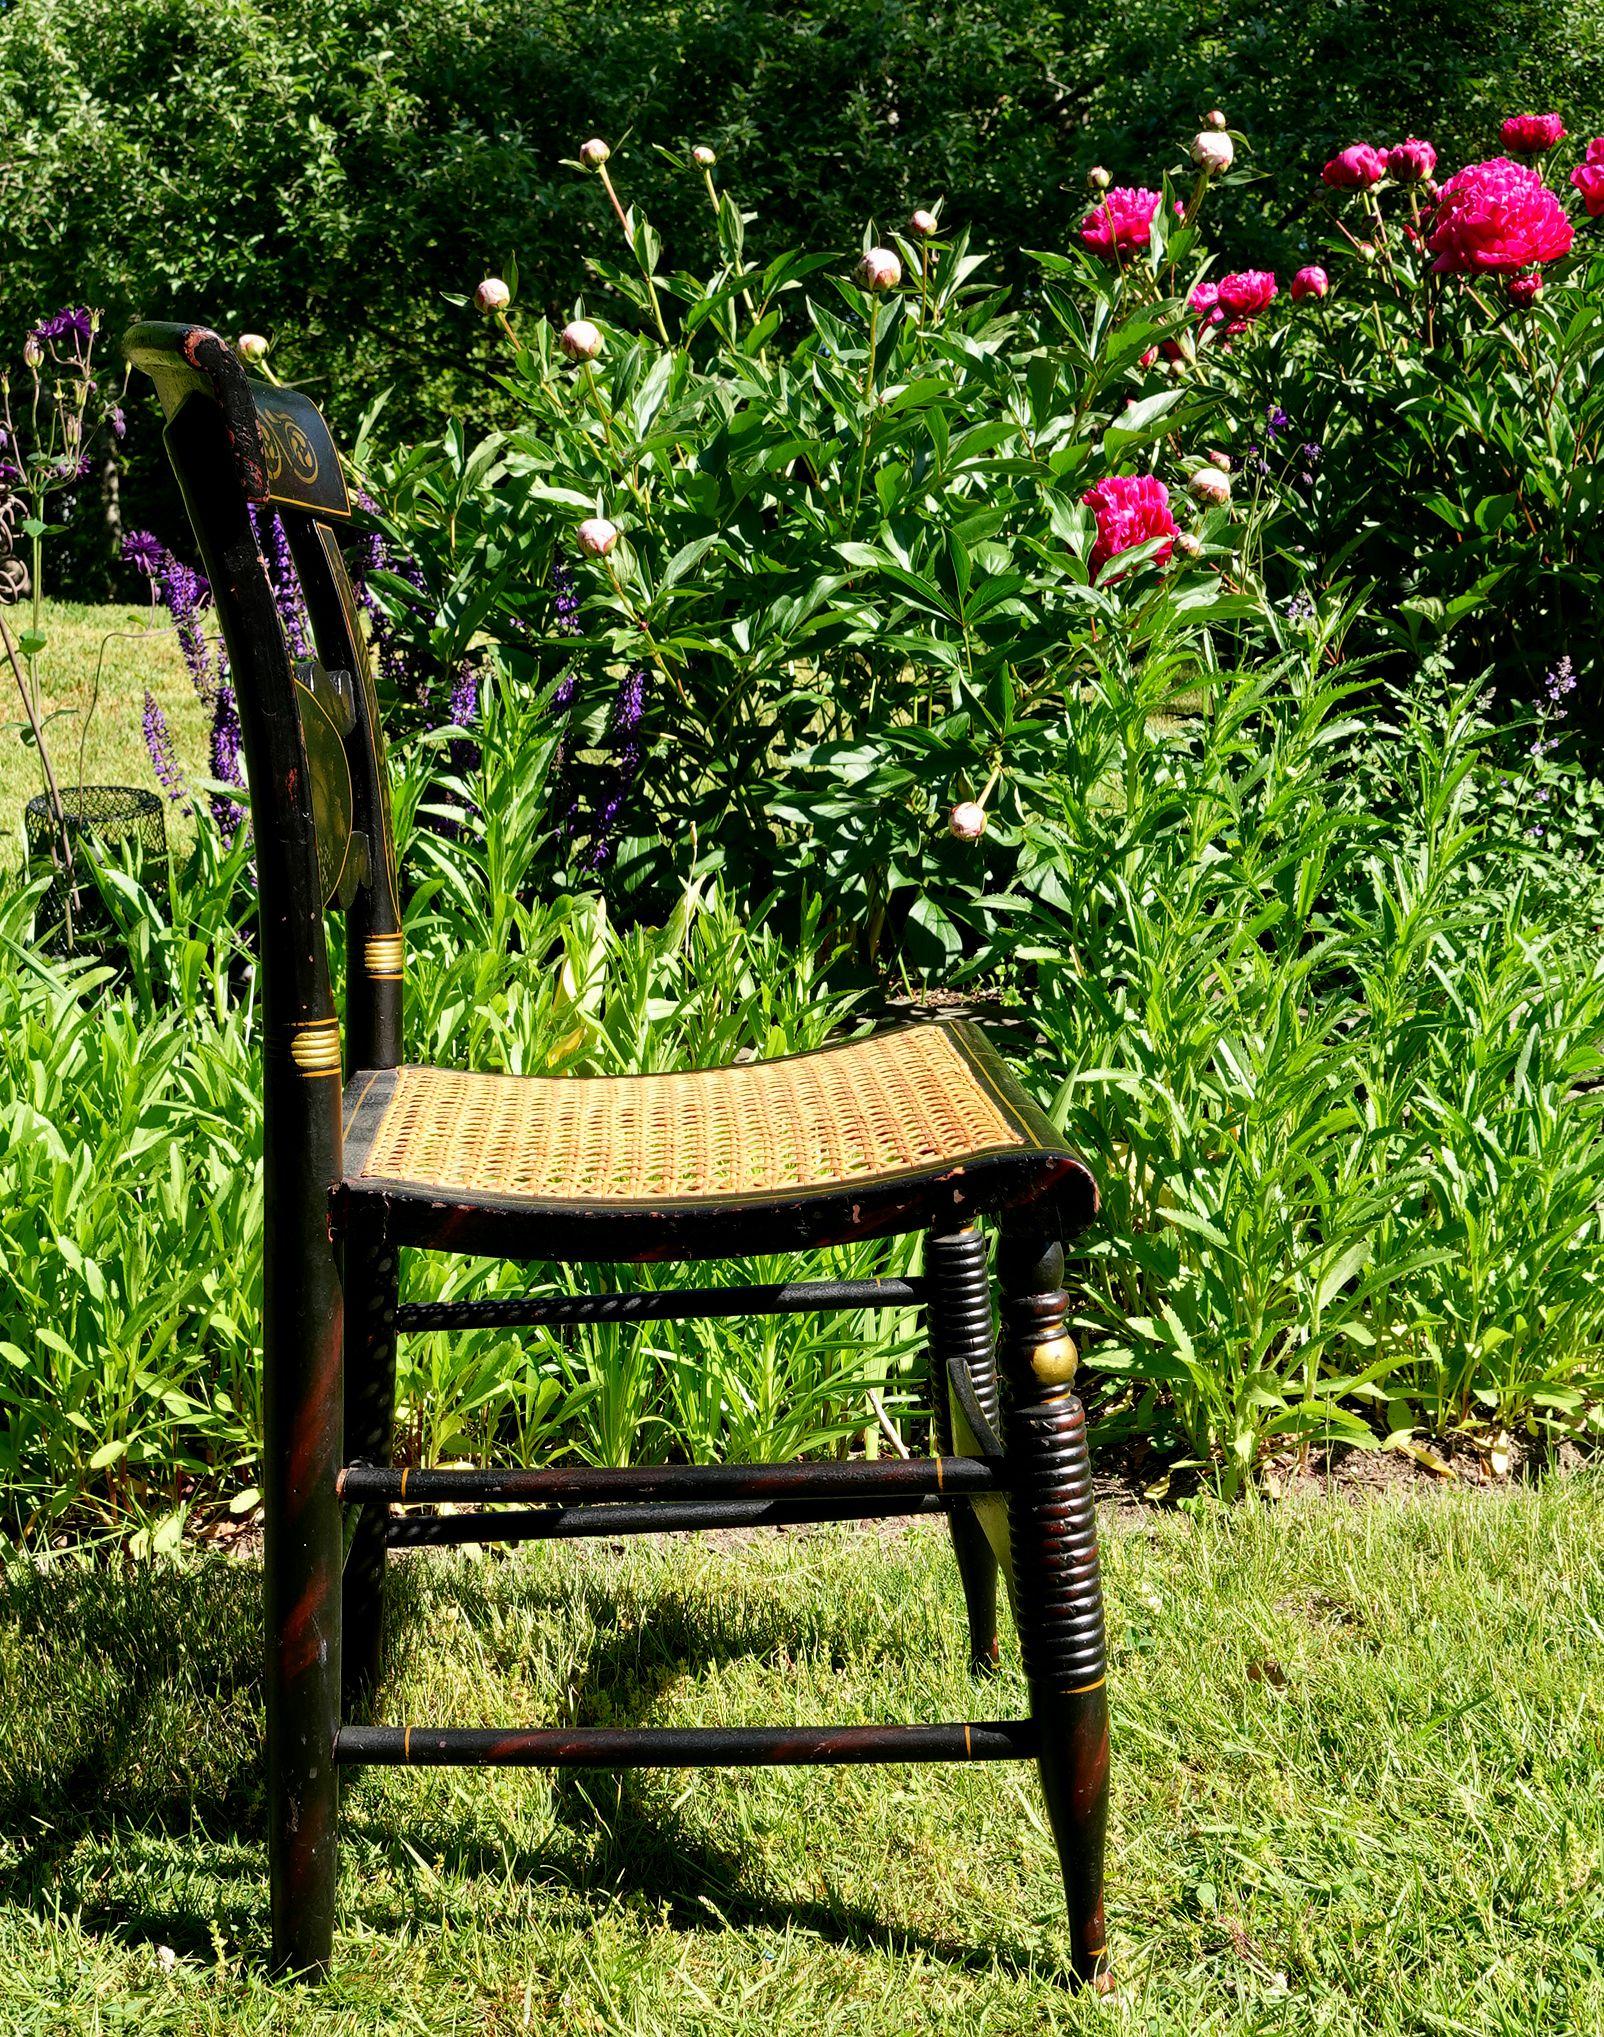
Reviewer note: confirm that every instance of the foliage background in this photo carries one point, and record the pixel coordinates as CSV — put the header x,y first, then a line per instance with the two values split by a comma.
x,y
325,170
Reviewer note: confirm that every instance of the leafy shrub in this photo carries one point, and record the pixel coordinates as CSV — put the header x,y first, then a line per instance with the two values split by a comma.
x,y
325,172
1336,1070
800,603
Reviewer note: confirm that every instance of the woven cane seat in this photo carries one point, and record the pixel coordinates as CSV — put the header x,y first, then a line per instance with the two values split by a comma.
x,y
915,1121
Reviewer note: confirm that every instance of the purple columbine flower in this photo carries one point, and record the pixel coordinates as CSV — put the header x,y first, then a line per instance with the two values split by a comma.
x,y
71,322
1276,420
119,423
160,745
144,553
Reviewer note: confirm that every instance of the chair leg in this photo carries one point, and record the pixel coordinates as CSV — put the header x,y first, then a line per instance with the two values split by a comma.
x,y
1058,1593
301,1366
372,1277
958,1305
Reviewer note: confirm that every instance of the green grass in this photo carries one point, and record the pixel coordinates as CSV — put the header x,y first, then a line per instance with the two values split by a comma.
x,y
1357,1762
107,727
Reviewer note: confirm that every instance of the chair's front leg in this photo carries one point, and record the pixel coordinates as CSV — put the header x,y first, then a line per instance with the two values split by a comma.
x,y
301,1390
1058,1593
372,1273
958,1314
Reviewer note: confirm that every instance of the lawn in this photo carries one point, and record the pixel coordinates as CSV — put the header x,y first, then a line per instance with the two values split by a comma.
x,y
108,725
1357,1748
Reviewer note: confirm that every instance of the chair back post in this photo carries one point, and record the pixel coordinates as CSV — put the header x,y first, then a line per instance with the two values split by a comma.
x,y
215,447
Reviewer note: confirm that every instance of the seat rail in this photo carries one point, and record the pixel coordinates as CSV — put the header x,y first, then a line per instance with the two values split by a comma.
x,y
680,1746
938,1477
652,1305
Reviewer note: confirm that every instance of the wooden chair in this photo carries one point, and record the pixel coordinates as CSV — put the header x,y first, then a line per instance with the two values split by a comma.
x,y
923,1129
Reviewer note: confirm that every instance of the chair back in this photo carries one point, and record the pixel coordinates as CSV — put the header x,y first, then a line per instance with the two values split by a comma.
x,y
314,750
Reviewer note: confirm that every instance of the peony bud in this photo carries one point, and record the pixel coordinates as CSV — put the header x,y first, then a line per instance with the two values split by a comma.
x,y
492,295
879,270
252,347
1220,460
1310,282
580,340
1099,179
1411,161
967,821
594,153
1216,120
924,224
597,536
1213,153
1210,487
703,158
1147,359
1188,543
1525,290
1366,251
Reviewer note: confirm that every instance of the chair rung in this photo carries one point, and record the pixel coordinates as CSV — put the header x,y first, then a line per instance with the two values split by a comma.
x,y
680,1747
547,1524
653,1305
939,1477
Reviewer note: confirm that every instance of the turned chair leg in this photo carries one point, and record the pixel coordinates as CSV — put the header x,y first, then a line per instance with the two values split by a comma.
x,y
302,1415
958,1305
372,1268
1058,1593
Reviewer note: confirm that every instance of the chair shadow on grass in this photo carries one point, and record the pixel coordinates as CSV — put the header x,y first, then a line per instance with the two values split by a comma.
x,y
141,1720
651,1848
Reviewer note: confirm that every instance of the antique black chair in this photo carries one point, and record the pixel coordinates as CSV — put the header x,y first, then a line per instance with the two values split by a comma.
x,y
922,1129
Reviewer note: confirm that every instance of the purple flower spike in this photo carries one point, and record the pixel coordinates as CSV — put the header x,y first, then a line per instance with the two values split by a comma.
x,y
159,743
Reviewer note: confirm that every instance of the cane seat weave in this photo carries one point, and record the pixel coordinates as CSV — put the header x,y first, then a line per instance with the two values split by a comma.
x,y
926,1104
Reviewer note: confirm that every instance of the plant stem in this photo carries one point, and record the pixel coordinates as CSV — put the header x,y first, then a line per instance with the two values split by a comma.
x,y
52,790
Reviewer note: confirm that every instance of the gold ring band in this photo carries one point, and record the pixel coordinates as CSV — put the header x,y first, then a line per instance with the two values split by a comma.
x,y
315,1048
383,956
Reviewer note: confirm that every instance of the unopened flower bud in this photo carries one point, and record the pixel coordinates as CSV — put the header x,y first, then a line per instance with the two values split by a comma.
x,y
1188,543
1216,120
594,153
1220,460
580,340
1525,289
1310,282
1367,251
1213,153
32,352
1210,487
924,224
492,295
252,347
597,536
1099,179
879,270
967,821
703,158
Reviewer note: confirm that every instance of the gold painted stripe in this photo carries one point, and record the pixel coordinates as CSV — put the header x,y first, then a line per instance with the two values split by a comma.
x,y
405,1472
384,956
940,1476
1081,1689
406,1744
969,1752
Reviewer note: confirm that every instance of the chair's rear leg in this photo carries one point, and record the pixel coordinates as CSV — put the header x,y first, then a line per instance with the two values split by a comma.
x,y
958,1310
302,1415
1058,1592
371,1287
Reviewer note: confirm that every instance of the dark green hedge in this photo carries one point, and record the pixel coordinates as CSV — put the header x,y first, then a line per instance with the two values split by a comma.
x,y
325,170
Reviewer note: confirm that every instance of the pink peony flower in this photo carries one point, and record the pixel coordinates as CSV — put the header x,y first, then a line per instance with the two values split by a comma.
x,y
1496,217
1588,177
1204,298
1130,509
1528,134
1411,161
1355,167
1524,290
1121,221
1310,282
1247,293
